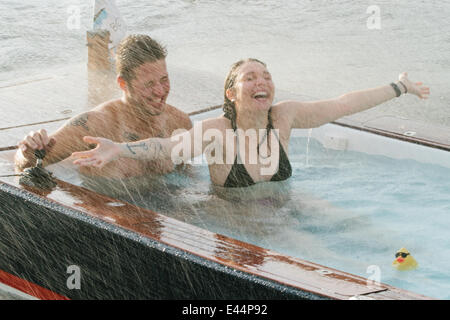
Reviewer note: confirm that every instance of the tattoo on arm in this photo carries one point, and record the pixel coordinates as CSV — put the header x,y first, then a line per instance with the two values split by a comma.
x,y
141,145
154,148
80,121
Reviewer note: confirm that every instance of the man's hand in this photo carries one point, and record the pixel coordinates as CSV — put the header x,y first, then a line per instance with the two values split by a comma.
x,y
35,141
105,151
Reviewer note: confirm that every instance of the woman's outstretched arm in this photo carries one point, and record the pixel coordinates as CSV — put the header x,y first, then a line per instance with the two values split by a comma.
x,y
316,113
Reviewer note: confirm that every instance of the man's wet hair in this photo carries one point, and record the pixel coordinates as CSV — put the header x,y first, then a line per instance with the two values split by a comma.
x,y
135,50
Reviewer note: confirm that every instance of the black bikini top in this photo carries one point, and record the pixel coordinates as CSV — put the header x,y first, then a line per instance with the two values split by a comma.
x,y
239,177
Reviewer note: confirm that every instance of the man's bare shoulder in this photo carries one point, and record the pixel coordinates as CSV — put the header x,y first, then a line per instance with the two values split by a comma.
x,y
94,118
180,119
176,112
108,108
107,111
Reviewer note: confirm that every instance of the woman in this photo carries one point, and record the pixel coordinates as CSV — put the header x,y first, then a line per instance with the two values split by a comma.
x,y
249,93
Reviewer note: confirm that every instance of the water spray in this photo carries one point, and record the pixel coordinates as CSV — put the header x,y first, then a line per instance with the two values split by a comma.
x,y
37,176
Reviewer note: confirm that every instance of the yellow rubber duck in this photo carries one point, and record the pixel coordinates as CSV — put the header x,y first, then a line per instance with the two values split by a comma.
x,y
404,260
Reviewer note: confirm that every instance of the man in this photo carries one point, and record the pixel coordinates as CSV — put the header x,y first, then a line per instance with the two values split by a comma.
x,y
141,112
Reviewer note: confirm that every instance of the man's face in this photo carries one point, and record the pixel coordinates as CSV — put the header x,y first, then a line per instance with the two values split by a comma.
x,y
150,87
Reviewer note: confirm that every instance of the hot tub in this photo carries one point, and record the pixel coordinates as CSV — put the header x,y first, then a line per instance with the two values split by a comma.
x,y
329,232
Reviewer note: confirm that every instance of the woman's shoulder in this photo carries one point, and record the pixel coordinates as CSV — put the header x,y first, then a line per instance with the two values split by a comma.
x,y
283,111
285,105
219,122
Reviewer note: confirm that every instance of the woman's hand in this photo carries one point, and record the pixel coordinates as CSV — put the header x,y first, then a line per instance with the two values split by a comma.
x,y
416,88
106,151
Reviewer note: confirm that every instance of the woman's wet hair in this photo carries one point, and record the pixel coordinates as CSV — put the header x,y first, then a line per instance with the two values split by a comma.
x,y
135,50
229,107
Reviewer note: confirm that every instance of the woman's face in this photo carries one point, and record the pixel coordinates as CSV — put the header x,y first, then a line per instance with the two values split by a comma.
x,y
253,88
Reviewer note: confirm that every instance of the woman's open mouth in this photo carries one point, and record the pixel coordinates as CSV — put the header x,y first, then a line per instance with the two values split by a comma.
x,y
261,96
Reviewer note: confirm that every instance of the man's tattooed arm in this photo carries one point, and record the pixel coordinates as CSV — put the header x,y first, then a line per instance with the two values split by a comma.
x,y
80,121
151,149
131,147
